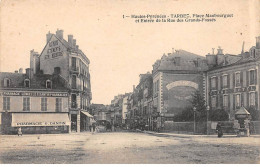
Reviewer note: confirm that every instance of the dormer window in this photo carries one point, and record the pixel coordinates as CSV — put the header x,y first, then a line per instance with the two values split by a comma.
x,y
6,82
48,84
27,83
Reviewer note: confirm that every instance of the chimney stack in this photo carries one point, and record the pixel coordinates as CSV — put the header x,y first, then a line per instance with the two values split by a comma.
x,y
16,71
70,40
213,49
20,70
220,51
77,47
59,34
48,37
74,43
258,42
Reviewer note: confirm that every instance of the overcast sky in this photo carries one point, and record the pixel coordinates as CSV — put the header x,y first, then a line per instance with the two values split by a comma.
x,y
120,49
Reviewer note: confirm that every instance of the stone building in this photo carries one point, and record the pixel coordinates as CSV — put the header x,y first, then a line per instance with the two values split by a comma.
x,y
233,80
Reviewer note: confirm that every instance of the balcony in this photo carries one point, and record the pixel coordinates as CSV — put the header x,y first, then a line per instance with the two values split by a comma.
x,y
74,70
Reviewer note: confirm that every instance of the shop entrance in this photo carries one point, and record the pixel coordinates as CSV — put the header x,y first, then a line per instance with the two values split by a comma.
x,y
74,122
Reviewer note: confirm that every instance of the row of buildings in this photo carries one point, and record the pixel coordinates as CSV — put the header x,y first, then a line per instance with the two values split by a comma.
x,y
226,82
53,95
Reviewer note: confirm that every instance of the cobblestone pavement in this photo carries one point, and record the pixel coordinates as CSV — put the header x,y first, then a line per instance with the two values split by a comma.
x,y
128,147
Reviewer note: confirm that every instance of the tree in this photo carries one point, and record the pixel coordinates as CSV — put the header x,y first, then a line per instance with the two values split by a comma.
x,y
218,115
254,113
200,104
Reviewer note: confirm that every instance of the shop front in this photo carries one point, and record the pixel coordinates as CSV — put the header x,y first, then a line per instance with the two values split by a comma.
x,y
86,121
37,123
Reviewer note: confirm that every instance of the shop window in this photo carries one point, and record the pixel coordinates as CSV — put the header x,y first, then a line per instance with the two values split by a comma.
x,y
6,82
27,83
6,103
26,104
48,84
58,107
252,98
252,77
44,104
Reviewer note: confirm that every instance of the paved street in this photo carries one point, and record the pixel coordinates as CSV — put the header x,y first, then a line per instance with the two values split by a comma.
x,y
128,147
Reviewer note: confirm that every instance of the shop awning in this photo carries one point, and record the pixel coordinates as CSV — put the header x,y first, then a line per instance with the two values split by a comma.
x,y
87,114
40,119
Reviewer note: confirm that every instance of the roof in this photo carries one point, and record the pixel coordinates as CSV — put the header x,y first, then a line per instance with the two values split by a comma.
x,y
36,82
242,111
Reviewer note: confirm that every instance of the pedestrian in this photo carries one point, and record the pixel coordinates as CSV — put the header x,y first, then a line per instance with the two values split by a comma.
x,y
19,131
219,129
94,127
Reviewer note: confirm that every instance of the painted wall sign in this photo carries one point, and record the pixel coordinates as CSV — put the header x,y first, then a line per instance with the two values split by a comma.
x,y
9,93
182,83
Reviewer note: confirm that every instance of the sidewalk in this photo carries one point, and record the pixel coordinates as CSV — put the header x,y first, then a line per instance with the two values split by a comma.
x,y
171,134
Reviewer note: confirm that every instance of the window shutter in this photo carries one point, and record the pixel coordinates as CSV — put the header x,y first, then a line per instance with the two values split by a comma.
x,y
210,102
228,101
256,100
241,78
228,80
221,82
247,78
210,80
216,83
242,99
234,102
234,80
217,98
256,76
221,101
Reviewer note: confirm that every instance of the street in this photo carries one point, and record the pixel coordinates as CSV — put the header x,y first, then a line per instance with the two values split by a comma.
x,y
127,147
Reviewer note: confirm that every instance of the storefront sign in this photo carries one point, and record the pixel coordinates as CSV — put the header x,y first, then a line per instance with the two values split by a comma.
x,y
235,90
38,124
41,94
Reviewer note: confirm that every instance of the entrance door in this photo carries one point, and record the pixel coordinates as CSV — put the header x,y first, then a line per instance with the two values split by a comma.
x,y
73,122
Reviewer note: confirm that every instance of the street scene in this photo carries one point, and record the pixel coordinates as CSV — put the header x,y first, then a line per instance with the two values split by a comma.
x,y
129,148
129,82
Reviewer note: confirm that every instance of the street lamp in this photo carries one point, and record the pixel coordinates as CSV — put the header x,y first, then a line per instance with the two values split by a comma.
x,y
194,126
207,118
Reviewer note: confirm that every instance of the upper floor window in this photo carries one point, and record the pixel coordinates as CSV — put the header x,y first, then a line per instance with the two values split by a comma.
x,y
6,103
6,82
225,100
252,77
27,83
48,84
252,99
238,100
213,83
26,104
225,81
237,79
58,107
213,101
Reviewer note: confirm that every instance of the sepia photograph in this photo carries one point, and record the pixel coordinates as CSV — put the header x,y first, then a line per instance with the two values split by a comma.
x,y
130,82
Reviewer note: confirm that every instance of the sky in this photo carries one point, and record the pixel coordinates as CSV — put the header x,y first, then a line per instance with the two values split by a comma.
x,y
120,49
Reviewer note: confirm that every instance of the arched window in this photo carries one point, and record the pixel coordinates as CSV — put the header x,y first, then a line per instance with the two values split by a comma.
x,y
7,82
48,84
27,83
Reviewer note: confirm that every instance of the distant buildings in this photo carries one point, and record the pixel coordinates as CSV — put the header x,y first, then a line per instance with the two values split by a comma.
x,y
53,95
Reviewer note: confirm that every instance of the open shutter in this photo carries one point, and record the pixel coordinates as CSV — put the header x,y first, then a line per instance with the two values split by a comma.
x,y
234,80
234,102
247,99
247,78
256,100
256,76
221,82
228,102
210,80
228,80
242,99
221,101
216,83
217,98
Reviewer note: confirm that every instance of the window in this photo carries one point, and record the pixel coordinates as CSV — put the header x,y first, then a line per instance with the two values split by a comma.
x,y
252,99
225,81
252,77
237,79
44,104
157,85
26,104
58,104
213,83
27,83
213,101
225,101
48,84
238,100
6,82
74,82
6,103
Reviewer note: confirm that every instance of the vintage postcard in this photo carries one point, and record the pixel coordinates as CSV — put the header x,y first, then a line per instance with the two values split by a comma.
x,y
129,82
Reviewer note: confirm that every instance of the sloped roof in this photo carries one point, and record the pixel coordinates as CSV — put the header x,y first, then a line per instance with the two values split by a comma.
x,y
242,111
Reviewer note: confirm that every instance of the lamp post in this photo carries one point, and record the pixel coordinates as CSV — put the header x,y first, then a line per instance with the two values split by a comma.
x,y
207,118
194,126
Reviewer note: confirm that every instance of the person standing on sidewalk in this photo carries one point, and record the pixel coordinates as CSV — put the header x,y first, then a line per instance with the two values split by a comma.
x,y
19,131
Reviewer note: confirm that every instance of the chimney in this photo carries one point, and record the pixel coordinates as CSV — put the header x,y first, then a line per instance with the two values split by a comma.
x,y
48,37
20,70
70,40
74,43
220,51
59,34
77,47
258,42
16,71
28,72
213,49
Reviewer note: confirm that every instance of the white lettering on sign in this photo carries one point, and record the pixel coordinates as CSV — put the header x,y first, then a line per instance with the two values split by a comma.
x,y
33,94
39,123
182,83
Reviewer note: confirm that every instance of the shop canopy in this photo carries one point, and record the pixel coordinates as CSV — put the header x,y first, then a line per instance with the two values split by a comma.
x,y
40,119
87,114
